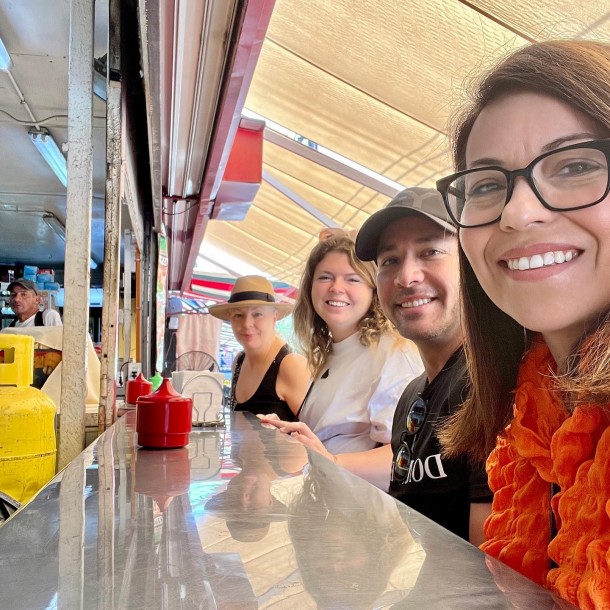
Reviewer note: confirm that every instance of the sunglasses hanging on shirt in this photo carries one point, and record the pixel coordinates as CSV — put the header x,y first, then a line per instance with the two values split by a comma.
x,y
416,417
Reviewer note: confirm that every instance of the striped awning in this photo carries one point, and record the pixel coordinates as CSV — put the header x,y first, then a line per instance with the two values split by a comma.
x,y
214,287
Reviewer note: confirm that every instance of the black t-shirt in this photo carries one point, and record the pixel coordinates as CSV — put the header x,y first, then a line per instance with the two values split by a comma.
x,y
440,489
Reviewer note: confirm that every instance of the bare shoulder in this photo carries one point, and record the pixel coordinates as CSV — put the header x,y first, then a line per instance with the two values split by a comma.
x,y
293,364
293,380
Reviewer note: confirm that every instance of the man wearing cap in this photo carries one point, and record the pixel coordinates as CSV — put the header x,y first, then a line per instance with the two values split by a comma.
x,y
416,250
24,300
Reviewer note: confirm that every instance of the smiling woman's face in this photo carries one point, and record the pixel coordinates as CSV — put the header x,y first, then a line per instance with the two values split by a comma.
x,y
254,327
562,297
340,296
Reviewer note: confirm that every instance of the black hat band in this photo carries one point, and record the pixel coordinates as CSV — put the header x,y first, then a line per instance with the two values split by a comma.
x,y
251,295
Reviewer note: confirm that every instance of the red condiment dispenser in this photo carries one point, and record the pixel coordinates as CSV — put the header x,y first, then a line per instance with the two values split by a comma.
x,y
140,386
164,418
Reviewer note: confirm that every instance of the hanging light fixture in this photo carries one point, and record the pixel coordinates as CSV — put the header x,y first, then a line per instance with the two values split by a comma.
x,y
60,230
46,146
5,59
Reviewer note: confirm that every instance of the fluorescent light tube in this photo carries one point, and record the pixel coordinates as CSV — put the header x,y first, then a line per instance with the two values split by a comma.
x,y
46,146
57,226
5,59
99,85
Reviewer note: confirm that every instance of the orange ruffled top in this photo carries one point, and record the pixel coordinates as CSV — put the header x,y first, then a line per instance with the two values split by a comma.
x,y
544,444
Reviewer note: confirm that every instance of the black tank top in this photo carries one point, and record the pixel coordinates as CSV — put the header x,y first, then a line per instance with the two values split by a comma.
x,y
265,400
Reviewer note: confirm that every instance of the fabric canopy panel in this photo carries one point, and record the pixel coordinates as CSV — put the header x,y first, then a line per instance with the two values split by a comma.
x,y
215,287
278,233
375,81
198,334
547,19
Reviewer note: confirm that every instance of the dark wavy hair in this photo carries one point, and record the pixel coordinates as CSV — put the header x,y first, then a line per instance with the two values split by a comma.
x,y
578,74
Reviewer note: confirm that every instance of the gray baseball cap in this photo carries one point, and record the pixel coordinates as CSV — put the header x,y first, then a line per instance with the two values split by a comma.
x,y
27,284
410,202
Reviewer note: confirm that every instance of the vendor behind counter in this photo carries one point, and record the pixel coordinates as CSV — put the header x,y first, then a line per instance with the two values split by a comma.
x,y
25,302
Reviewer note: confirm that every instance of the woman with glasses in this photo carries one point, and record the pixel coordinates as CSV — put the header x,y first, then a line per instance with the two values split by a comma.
x,y
531,200
359,364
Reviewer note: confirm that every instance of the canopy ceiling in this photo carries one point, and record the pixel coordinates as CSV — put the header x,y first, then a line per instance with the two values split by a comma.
x,y
374,81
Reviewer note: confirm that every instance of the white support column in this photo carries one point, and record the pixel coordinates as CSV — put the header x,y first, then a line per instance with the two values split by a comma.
x,y
112,238
127,271
78,231
71,547
106,521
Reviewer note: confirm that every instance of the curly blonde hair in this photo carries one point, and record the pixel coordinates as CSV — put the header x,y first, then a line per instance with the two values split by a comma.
x,y
311,330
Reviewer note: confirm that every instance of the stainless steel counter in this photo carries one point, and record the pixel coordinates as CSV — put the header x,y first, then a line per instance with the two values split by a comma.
x,y
239,519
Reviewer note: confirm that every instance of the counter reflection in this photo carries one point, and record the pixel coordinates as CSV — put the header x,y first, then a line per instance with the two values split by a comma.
x,y
241,518
352,547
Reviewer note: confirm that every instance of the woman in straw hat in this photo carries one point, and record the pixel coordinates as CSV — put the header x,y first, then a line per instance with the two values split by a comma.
x,y
267,378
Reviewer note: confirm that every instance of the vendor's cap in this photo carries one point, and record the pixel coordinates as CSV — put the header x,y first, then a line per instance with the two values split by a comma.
x,y
27,284
250,291
410,202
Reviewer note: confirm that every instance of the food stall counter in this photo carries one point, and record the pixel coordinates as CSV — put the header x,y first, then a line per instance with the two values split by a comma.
x,y
243,517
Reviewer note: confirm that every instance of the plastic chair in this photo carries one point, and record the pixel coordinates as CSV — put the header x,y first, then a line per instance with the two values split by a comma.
x,y
196,361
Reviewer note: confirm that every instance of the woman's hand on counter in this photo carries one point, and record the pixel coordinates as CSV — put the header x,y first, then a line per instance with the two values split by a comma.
x,y
266,423
300,432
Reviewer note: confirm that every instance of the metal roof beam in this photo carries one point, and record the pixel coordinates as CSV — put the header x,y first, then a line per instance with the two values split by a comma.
x,y
335,162
219,265
302,203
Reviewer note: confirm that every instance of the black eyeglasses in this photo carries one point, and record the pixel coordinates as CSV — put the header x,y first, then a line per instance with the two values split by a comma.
x,y
565,179
416,416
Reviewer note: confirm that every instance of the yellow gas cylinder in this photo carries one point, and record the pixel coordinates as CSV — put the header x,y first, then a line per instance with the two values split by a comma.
x,y
27,422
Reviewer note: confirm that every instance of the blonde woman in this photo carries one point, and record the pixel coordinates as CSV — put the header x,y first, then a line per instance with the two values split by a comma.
x,y
267,378
359,364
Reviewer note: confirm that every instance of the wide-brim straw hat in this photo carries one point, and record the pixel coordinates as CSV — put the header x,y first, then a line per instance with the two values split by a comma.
x,y
250,291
